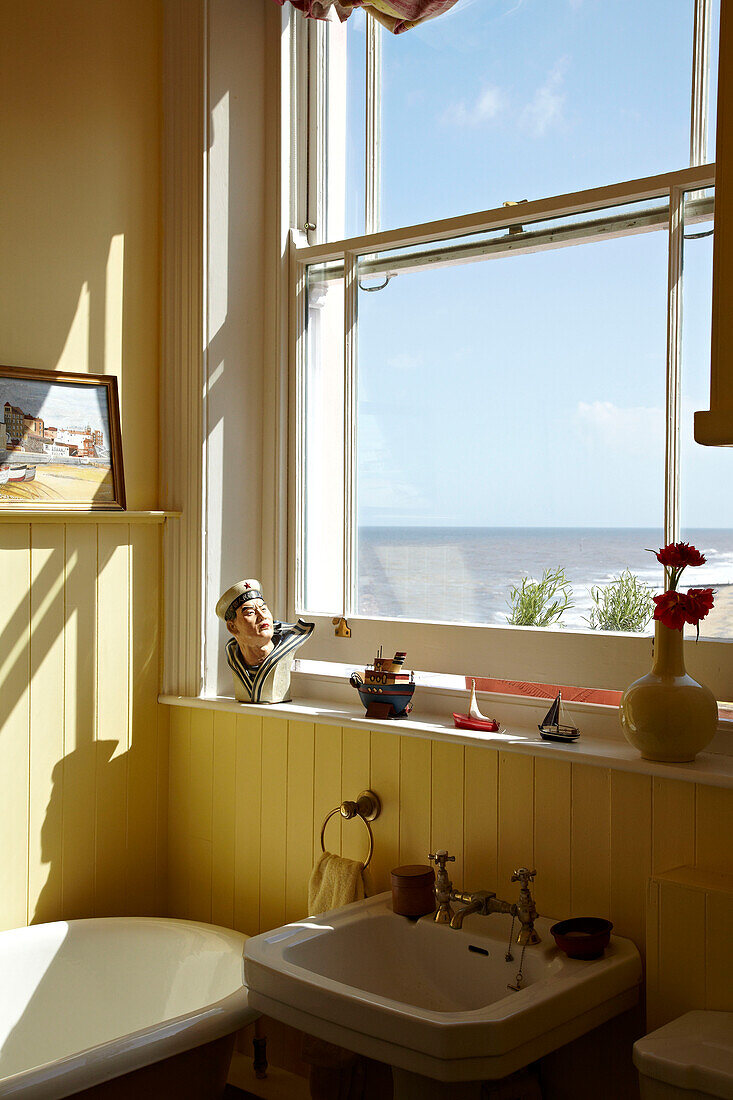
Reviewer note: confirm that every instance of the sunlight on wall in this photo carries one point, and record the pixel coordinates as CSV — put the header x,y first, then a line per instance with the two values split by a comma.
x,y
218,243
75,353
113,301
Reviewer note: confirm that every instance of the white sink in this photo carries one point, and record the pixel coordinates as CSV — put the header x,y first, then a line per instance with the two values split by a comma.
x,y
413,993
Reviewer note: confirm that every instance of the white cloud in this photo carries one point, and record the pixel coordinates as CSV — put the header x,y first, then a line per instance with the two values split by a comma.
x,y
637,428
484,109
545,109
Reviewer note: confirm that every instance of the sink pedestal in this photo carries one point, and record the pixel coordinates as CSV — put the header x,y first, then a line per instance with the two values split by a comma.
x,y
413,1086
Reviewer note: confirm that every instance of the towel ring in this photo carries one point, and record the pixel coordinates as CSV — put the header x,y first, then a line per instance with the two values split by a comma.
x,y
367,807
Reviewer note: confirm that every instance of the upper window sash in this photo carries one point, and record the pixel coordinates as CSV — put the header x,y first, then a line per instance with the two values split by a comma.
x,y
321,118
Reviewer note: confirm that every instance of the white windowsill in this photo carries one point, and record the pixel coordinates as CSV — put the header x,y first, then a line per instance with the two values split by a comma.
x,y
600,745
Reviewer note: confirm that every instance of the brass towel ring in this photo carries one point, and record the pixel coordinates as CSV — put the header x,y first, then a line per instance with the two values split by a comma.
x,y
367,807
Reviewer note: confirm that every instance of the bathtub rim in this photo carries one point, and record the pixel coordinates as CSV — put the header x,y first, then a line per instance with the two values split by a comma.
x,y
124,1054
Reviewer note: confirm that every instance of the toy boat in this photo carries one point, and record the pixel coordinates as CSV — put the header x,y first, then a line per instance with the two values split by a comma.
x,y
552,729
385,689
475,720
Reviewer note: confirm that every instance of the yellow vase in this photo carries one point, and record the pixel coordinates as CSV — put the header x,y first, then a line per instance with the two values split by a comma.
x,y
666,714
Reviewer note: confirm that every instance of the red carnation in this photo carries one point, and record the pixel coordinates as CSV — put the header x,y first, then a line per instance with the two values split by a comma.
x,y
679,554
671,609
699,601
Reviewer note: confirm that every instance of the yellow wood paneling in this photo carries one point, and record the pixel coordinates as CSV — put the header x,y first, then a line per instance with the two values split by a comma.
x,y
202,767
144,759
631,852
199,880
355,777
162,794
385,780
14,722
681,945
46,742
552,830
651,949
718,953
79,768
673,824
516,818
481,805
415,796
223,821
248,812
273,821
299,852
714,829
113,719
591,842
327,788
180,783
446,811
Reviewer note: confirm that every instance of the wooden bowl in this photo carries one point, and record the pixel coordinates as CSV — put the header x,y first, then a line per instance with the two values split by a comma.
x,y
582,937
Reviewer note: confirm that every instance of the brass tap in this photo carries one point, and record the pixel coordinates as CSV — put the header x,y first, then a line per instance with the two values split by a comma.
x,y
472,903
526,910
443,886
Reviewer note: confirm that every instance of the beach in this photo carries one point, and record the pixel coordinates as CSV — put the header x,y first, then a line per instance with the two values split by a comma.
x,y
59,484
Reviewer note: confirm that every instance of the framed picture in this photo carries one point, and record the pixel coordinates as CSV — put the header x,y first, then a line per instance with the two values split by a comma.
x,y
60,441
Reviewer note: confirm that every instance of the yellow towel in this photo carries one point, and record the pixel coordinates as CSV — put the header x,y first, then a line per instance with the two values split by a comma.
x,y
335,881
337,1074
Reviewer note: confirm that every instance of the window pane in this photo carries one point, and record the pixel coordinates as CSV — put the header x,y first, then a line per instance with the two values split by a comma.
x,y
705,506
506,100
511,420
713,78
324,449
355,136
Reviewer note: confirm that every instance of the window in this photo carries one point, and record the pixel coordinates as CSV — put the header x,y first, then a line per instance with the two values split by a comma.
x,y
484,397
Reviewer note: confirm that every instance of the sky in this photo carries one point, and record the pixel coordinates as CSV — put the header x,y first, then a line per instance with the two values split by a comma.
x,y
61,405
529,390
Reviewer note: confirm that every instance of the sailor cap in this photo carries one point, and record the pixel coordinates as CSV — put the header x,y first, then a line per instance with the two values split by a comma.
x,y
242,591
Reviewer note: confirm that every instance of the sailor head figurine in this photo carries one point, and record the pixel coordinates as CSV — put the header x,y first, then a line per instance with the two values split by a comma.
x,y
248,619
261,650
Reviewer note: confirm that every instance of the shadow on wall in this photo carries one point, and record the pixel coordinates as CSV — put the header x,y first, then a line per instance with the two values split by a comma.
x,y
83,753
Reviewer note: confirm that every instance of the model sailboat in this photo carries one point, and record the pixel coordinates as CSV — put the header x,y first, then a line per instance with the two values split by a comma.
x,y
475,720
552,729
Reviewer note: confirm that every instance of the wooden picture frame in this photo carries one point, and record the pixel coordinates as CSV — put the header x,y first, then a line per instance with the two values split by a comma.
x,y
60,441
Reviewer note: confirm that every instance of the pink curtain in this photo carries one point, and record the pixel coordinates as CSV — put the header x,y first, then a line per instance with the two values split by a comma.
x,y
396,15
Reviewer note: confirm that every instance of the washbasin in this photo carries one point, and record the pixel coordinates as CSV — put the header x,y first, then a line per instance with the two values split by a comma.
x,y
434,1000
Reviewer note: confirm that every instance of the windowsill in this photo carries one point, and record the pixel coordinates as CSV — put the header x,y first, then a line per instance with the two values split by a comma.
x,y
21,514
601,743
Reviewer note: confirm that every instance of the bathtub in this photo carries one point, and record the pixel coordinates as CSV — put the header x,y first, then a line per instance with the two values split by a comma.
x,y
85,1005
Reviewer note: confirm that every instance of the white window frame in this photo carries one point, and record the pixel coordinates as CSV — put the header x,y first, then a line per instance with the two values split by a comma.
x,y
584,658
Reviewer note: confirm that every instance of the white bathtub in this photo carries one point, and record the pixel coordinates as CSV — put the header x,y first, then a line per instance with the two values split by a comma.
x,y
86,1001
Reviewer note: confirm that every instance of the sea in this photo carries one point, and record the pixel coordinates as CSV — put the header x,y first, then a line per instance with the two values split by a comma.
x,y
464,574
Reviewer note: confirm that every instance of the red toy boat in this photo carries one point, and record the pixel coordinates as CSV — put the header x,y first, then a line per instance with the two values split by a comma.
x,y
475,720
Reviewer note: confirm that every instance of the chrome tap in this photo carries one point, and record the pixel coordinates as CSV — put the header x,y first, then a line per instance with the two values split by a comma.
x,y
443,886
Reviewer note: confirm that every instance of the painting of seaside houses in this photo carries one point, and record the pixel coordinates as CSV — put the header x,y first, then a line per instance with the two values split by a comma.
x,y
56,440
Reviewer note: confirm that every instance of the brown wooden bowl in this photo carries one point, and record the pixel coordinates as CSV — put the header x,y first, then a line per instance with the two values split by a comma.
x,y
582,937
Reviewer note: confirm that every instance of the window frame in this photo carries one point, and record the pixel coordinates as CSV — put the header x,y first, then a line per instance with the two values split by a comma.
x,y
583,658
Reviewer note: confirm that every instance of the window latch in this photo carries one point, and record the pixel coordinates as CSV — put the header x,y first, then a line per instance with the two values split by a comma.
x,y
343,630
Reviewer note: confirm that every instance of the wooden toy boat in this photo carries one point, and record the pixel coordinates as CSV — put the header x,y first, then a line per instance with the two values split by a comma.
x,y
475,720
385,689
552,729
